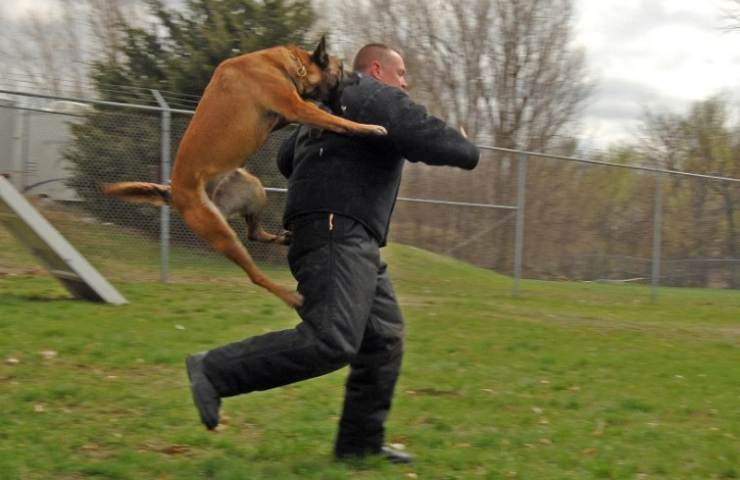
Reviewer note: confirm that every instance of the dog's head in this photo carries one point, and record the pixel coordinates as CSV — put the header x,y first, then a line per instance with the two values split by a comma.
x,y
327,78
334,99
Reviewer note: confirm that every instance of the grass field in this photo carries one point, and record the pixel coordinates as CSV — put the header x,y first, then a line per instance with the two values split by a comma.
x,y
570,381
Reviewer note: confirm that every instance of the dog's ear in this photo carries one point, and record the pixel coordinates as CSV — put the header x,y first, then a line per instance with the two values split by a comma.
x,y
320,56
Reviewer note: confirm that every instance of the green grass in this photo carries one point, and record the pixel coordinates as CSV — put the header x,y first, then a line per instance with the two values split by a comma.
x,y
570,381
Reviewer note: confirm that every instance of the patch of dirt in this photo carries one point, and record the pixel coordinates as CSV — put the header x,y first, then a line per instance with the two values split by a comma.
x,y
173,449
12,271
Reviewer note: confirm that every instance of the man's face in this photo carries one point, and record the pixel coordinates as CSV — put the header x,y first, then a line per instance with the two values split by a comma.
x,y
390,70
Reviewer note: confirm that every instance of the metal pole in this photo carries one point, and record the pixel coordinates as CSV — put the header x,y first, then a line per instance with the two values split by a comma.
x,y
657,219
25,150
520,204
164,231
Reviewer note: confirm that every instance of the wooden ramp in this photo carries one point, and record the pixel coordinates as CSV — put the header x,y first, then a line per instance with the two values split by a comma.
x,y
54,252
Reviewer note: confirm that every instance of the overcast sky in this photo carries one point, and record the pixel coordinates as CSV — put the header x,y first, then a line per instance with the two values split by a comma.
x,y
659,54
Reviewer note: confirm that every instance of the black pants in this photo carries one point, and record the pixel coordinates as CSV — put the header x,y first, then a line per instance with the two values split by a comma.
x,y
350,317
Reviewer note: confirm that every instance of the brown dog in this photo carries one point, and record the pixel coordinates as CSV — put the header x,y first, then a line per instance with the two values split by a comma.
x,y
247,97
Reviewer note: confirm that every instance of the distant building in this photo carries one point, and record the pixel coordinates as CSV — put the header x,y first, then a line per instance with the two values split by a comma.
x,y
32,143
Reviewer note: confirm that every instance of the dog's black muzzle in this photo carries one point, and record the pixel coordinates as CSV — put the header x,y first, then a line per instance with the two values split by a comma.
x,y
334,99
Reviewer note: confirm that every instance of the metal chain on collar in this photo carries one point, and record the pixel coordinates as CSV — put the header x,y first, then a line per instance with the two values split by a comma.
x,y
301,68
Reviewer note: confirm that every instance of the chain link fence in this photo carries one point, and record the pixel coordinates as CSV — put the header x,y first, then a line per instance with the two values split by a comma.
x,y
518,213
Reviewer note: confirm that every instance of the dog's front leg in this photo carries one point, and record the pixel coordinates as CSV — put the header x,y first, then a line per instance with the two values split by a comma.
x,y
295,109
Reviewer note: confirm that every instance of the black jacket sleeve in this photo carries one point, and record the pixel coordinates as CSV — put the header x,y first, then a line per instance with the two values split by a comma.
x,y
285,154
418,136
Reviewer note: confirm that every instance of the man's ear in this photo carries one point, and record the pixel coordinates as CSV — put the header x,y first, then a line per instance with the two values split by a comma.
x,y
373,70
320,57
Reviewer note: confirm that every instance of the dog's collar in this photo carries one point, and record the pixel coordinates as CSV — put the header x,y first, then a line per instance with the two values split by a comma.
x,y
301,73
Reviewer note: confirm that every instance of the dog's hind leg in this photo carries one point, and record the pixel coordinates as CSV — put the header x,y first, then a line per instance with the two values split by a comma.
x,y
203,218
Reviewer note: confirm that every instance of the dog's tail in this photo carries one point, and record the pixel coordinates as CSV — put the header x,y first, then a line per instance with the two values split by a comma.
x,y
139,192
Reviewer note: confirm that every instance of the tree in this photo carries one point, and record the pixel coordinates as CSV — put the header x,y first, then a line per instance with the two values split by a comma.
x,y
180,54
47,54
51,51
106,19
703,218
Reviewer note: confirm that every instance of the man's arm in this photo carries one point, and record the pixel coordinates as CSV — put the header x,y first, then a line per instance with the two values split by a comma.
x,y
285,154
421,137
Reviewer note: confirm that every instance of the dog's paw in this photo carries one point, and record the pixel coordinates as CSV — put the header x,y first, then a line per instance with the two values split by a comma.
x,y
378,130
294,299
285,238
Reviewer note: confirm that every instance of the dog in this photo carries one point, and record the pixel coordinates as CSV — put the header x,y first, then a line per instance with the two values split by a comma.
x,y
247,97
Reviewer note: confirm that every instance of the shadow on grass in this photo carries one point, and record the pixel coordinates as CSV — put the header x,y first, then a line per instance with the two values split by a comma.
x,y
37,298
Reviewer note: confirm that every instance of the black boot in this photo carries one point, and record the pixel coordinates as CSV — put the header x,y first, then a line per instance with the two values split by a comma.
x,y
205,396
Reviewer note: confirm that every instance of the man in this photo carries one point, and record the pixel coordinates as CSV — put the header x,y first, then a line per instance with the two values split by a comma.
x,y
341,194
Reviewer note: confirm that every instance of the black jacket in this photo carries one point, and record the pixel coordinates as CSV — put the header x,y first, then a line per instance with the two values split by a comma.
x,y
359,176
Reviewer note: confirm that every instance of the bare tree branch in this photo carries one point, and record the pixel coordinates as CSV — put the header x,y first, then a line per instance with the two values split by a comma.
x,y
50,51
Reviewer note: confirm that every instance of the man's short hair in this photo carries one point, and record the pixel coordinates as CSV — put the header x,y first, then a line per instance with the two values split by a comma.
x,y
370,52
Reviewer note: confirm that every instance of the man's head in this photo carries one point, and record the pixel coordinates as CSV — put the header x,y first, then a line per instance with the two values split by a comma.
x,y
382,63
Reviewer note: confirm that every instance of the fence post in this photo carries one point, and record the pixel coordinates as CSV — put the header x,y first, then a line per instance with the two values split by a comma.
x,y
519,234
25,150
657,220
164,230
